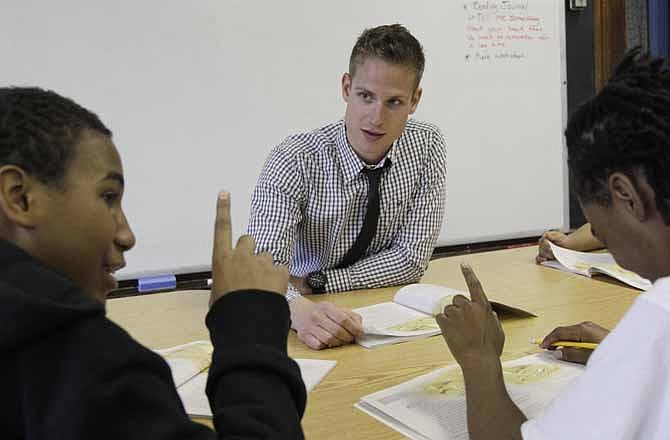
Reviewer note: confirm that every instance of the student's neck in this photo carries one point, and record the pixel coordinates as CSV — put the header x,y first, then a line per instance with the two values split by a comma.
x,y
655,240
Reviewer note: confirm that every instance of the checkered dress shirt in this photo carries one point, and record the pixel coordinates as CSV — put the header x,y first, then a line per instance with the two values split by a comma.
x,y
310,200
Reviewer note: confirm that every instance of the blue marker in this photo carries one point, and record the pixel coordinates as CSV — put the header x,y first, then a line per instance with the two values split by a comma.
x,y
156,283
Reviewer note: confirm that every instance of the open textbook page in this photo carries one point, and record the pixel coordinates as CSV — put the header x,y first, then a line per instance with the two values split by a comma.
x,y
411,315
187,360
190,376
433,406
588,263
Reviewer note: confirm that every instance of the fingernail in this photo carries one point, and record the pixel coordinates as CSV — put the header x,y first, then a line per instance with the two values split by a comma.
x,y
465,266
223,195
558,354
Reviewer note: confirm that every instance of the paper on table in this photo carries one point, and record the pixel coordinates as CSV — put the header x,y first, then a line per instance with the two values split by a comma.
x,y
195,401
388,318
314,370
411,312
587,263
192,390
193,396
417,410
187,360
427,298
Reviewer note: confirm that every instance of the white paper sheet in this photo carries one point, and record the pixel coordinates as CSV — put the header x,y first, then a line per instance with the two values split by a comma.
x,y
378,319
426,298
191,380
187,360
413,306
408,407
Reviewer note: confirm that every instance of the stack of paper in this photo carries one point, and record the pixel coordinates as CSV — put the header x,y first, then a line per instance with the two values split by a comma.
x,y
189,364
432,406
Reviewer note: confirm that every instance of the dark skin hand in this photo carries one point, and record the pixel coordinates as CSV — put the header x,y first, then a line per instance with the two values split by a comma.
x,y
584,332
240,268
475,337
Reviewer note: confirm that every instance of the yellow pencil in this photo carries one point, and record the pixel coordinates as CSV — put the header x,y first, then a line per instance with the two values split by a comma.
x,y
589,345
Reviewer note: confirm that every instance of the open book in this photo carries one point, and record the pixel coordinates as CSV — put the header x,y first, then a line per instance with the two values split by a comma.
x,y
412,313
190,362
588,263
433,406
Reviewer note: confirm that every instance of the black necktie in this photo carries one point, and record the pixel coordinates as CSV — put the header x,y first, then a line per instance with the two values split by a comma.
x,y
369,228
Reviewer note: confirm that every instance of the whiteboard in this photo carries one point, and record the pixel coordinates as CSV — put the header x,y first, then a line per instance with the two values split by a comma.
x,y
197,93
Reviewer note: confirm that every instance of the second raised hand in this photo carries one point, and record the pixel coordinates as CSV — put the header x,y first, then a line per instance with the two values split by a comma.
x,y
474,286
240,268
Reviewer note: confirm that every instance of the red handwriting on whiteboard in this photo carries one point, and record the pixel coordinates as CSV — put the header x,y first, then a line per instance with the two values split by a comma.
x,y
501,30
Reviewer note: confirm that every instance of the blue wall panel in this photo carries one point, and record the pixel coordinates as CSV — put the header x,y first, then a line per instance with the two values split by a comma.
x,y
659,28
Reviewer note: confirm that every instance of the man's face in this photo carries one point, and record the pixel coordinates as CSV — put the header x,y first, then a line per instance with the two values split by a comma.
x,y
380,98
82,230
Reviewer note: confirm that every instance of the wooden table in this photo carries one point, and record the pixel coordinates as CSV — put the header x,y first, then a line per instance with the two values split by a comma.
x,y
510,276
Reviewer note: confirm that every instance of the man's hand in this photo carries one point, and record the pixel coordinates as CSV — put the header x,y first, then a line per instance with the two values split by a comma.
x,y
544,252
584,332
470,327
300,285
240,268
322,325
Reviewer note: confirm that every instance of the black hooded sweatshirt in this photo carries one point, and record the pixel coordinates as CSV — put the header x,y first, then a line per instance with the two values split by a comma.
x,y
70,373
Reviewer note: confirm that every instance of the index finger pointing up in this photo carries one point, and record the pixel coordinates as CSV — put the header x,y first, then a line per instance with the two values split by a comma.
x,y
223,230
477,294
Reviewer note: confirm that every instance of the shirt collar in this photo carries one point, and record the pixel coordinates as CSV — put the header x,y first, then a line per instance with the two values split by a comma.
x,y
352,165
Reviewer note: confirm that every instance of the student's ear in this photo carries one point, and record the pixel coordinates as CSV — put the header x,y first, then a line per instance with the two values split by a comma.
x,y
416,97
346,87
16,196
637,200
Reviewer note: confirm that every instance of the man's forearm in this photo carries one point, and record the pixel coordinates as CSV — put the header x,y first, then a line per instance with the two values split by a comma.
x,y
387,268
491,412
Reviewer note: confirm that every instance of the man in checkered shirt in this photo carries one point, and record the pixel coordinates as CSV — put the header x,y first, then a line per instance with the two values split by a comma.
x,y
311,198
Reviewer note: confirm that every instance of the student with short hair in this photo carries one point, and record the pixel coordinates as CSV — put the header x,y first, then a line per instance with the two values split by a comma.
x,y
359,203
71,373
619,157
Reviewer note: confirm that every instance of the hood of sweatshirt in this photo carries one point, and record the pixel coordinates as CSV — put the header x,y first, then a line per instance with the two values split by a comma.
x,y
35,300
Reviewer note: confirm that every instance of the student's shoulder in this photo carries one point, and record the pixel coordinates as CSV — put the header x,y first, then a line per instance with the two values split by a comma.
x,y
659,294
105,347
90,351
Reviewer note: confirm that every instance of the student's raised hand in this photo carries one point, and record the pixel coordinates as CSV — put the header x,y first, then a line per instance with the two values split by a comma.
x,y
544,252
585,332
323,325
240,268
470,327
